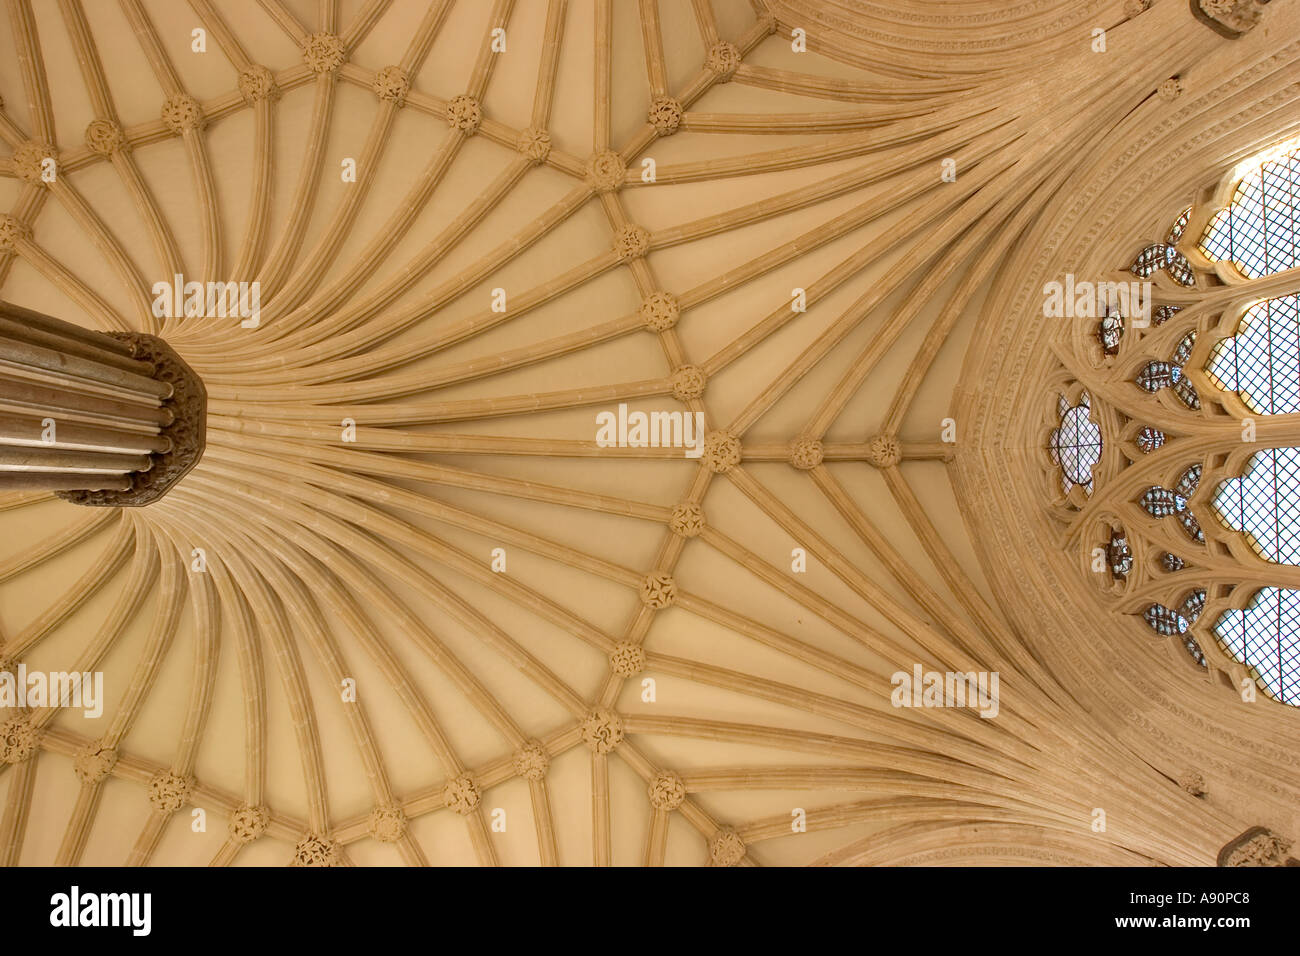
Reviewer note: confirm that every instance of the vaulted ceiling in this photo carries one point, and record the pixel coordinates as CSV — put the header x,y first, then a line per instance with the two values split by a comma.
x,y
574,654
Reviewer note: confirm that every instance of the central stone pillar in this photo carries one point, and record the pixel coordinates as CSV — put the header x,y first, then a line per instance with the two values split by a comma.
x,y
109,419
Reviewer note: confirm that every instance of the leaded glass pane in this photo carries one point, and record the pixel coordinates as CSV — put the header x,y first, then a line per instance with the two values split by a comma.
x,y
1076,446
1261,362
1258,231
1266,638
1264,503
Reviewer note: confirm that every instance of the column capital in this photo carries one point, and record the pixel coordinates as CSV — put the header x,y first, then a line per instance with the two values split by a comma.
x,y
187,432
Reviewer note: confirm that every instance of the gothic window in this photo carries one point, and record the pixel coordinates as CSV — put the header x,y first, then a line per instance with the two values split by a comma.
x,y
1264,504
1266,638
1163,502
1171,621
1164,255
1149,439
1262,361
1157,375
1119,555
1258,232
1076,444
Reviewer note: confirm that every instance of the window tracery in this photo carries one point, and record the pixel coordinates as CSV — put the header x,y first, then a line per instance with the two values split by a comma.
x,y
1173,402
1165,502
1165,255
1157,375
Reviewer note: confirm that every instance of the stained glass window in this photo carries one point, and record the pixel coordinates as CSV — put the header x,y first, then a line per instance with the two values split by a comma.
x,y
1154,376
1076,445
1161,256
1261,363
1149,439
1161,502
1170,621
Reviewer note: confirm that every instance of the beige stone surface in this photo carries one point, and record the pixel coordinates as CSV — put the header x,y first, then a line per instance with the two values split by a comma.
x,y
519,696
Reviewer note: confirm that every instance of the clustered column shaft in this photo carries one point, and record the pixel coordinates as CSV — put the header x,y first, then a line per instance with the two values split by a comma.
x,y
83,411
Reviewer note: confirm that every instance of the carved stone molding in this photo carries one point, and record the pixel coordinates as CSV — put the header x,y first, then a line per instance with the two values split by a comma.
x,y
187,431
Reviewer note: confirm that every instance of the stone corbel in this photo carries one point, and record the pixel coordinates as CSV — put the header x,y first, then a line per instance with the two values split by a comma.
x,y
1229,18
1257,847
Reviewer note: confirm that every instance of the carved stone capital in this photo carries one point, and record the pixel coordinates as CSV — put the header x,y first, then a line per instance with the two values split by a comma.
x,y
187,431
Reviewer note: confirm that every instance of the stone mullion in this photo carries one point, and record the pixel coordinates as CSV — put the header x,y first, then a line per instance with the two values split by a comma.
x,y
1233,573
1164,467
1234,590
1222,457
